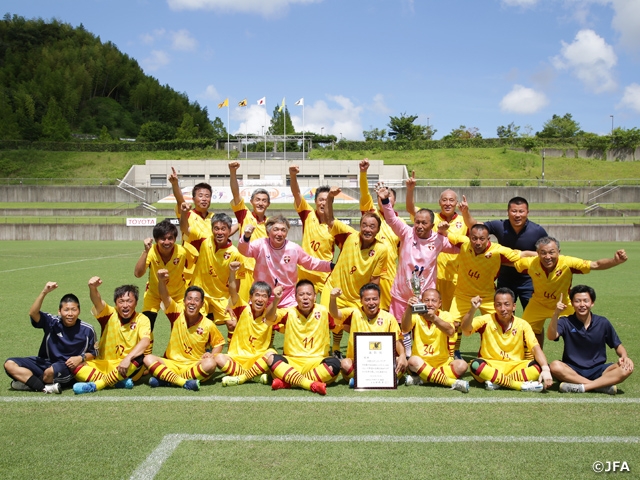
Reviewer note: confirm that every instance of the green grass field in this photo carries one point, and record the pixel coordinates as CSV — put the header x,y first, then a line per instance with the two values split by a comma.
x,y
251,432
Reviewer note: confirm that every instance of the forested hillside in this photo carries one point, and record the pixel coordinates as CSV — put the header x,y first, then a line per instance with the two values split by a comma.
x,y
56,79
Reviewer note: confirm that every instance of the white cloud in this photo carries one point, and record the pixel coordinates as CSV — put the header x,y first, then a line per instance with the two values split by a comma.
x,y
379,106
266,8
151,38
626,20
631,98
519,3
210,93
183,41
590,59
157,60
523,100
252,119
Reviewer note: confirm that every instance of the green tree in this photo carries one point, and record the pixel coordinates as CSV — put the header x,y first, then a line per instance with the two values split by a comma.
x,y
54,126
156,131
187,129
105,136
374,134
279,120
626,138
508,132
402,127
9,128
560,127
463,133
219,130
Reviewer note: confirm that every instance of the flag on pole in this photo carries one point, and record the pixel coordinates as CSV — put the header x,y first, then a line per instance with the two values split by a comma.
x,y
243,103
224,104
281,106
262,101
300,102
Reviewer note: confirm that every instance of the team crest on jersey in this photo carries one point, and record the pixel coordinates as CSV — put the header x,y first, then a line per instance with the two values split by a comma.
x,y
200,331
286,259
431,246
317,315
176,261
372,253
227,255
514,332
558,272
133,325
380,321
458,225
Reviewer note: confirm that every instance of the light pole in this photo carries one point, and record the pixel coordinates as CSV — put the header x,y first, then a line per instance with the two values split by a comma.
x,y
543,151
611,125
322,131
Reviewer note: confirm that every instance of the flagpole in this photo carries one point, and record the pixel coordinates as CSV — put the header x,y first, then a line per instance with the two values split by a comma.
x,y
228,155
265,135
246,141
284,121
303,130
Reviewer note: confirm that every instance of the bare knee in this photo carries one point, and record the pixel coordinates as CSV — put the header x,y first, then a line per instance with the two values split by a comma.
x,y
208,365
48,375
556,367
220,360
10,366
414,363
459,367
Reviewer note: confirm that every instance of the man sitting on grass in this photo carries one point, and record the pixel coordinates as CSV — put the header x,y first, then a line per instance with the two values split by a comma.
x,y
584,366
67,342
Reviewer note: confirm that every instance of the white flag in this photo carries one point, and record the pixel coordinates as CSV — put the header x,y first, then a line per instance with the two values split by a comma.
x,y
300,102
262,101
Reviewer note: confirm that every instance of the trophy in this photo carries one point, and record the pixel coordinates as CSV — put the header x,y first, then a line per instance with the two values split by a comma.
x,y
416,287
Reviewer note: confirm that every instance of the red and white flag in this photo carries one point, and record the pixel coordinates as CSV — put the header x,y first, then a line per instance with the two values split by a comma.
x,y
262,101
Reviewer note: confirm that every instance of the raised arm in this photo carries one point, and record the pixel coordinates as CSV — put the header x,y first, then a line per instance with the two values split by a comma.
x,y
406,324
163,279
175,187
333,193
410,183
34,311
233,282
141,264
334,311
233,182
270,315
366,200
185,208
94,294
606,263
294,170
466,326
463,206
552,331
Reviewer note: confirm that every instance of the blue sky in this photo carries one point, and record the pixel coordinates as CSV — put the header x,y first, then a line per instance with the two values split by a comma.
x,y
474,63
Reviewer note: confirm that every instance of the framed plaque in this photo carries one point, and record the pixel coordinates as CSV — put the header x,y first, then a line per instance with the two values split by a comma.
x,y
374,361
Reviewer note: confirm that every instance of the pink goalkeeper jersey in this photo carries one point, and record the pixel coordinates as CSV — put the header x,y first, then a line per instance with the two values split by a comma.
x,y
413,251
280,264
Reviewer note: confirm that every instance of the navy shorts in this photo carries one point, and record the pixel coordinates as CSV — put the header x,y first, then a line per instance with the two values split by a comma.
x,y
37,365
592,373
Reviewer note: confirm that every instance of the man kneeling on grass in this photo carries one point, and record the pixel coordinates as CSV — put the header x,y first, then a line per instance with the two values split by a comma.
x,y
194,342
67,342
503,341
584,366
124,340
305,363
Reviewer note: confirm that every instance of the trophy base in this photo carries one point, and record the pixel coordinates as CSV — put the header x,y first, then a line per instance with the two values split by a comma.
x,y
418,308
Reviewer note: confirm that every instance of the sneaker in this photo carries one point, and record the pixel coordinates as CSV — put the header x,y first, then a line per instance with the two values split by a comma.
x,y
352,382
53,388
457,355
17,385
126,383
532,386
338,354
319,387
566,387
278,384
461,386
412,379
84,387
156,382
611,390
229,381
193,385
263,379
488,385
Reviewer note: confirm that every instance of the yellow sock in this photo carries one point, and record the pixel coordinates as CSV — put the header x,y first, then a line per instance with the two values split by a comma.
x,y
290,375
430,374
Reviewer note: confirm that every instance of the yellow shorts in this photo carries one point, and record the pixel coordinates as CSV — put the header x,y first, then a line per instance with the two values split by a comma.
x,y
248,361
107,366
317,278
152,302
182,369
218,307
304,364
536,314
446,289
462,304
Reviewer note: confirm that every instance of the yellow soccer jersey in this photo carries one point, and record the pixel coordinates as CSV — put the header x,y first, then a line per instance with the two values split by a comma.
x,y
507,346
199,228
547,287
448,262
189,344
355,266
384,322
245,217
306,337
477,273
317,240
212,270
118,339
429,342
252,335
180,260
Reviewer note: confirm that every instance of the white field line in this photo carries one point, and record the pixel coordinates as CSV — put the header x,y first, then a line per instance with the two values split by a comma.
x,y
67,263
151,466
535,398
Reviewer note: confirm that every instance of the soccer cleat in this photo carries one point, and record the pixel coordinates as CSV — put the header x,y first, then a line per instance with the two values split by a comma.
x,y
566,387
488,385
263,379
531,386
352,382
156,382
457,355
53,388
278,384
319,387
461,386
84,387
338,354
193,385
17,385
412,379
126,383
611,390
229,381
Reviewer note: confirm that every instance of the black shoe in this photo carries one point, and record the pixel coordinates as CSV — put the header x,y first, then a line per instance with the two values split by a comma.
x,y
338,354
